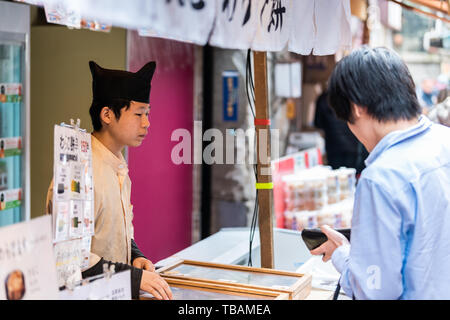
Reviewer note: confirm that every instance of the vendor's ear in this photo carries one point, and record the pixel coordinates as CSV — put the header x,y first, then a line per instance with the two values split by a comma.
x,y
106,115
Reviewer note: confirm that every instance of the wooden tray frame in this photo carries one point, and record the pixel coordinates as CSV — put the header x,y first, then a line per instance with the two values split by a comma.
x,y
298,291
223,288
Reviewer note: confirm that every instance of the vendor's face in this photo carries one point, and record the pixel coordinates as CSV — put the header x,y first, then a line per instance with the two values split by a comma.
x,y
131,128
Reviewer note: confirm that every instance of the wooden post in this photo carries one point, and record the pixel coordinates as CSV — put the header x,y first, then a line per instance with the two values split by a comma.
x,y
264,175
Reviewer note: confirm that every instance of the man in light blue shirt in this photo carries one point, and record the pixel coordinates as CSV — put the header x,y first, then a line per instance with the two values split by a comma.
x,y
400,240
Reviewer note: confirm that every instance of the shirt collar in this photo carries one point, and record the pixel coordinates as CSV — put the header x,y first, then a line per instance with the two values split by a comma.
x,y
119,165
397,136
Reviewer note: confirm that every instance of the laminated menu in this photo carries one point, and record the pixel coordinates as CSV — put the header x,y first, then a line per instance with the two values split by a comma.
x,y
73,184
73,202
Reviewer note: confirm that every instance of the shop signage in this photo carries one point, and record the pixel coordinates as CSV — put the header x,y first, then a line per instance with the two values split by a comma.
x,y
230,82
238,18
27,262
73,202
273,25
72,189
265,25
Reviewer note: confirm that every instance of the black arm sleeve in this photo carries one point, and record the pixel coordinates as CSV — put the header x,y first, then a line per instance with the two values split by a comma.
x,y
136,274
135,252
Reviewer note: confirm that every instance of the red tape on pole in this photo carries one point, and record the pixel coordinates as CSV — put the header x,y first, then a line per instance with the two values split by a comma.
x,y
262,122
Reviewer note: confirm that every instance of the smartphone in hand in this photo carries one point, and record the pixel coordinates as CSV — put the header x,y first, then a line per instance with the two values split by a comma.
x,y
313,238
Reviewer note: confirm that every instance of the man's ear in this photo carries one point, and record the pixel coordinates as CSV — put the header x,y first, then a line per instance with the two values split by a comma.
x,y
106,115
358,111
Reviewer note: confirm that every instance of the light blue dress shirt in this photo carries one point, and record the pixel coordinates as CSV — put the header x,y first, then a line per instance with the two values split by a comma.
x,y
400,241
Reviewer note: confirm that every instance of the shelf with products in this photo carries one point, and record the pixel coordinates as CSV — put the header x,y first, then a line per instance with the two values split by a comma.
x,y
14,113
318,196
10,198
10,147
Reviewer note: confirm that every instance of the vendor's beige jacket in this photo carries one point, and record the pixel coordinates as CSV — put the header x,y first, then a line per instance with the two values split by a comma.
x,y
112,207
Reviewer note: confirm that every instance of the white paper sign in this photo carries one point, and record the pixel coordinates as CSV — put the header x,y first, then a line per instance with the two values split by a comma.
x,y
303,33
235,24
183,20
333,26
117,287
288,83
320,27
27,264
274,25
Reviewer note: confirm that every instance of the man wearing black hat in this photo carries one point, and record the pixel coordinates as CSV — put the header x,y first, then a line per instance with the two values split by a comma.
x,y
119,114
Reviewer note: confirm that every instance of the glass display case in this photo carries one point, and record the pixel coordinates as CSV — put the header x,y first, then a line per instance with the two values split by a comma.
x,y
296,286
14,111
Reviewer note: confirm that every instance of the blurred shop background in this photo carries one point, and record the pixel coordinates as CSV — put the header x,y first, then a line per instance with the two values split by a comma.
x,y
45,70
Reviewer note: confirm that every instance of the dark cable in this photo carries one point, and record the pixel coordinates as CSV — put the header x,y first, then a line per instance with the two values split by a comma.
x,y
250,89
250,96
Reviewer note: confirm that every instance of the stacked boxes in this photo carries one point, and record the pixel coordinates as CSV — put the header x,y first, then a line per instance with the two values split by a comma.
x,y
318,196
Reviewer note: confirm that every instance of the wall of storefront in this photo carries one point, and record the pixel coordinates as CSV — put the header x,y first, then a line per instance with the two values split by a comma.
x,y
232,194
61,90
162,190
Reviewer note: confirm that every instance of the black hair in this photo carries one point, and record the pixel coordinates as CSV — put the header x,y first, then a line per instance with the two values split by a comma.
x,y
116,105
376,79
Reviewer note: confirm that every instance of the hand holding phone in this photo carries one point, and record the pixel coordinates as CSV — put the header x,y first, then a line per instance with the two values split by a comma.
x,y
314,238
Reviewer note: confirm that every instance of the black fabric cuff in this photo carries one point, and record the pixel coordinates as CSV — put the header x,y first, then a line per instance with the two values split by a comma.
x,y
135,252
136,274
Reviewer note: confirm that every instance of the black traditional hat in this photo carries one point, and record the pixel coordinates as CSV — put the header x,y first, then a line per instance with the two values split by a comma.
x,y
110,84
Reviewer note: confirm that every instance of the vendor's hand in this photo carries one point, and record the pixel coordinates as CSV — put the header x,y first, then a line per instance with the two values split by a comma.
x,y
142,263
335,239
153,283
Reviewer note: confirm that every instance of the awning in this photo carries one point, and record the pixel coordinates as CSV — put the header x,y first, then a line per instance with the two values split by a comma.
x,y
319,27
437,9
436,5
